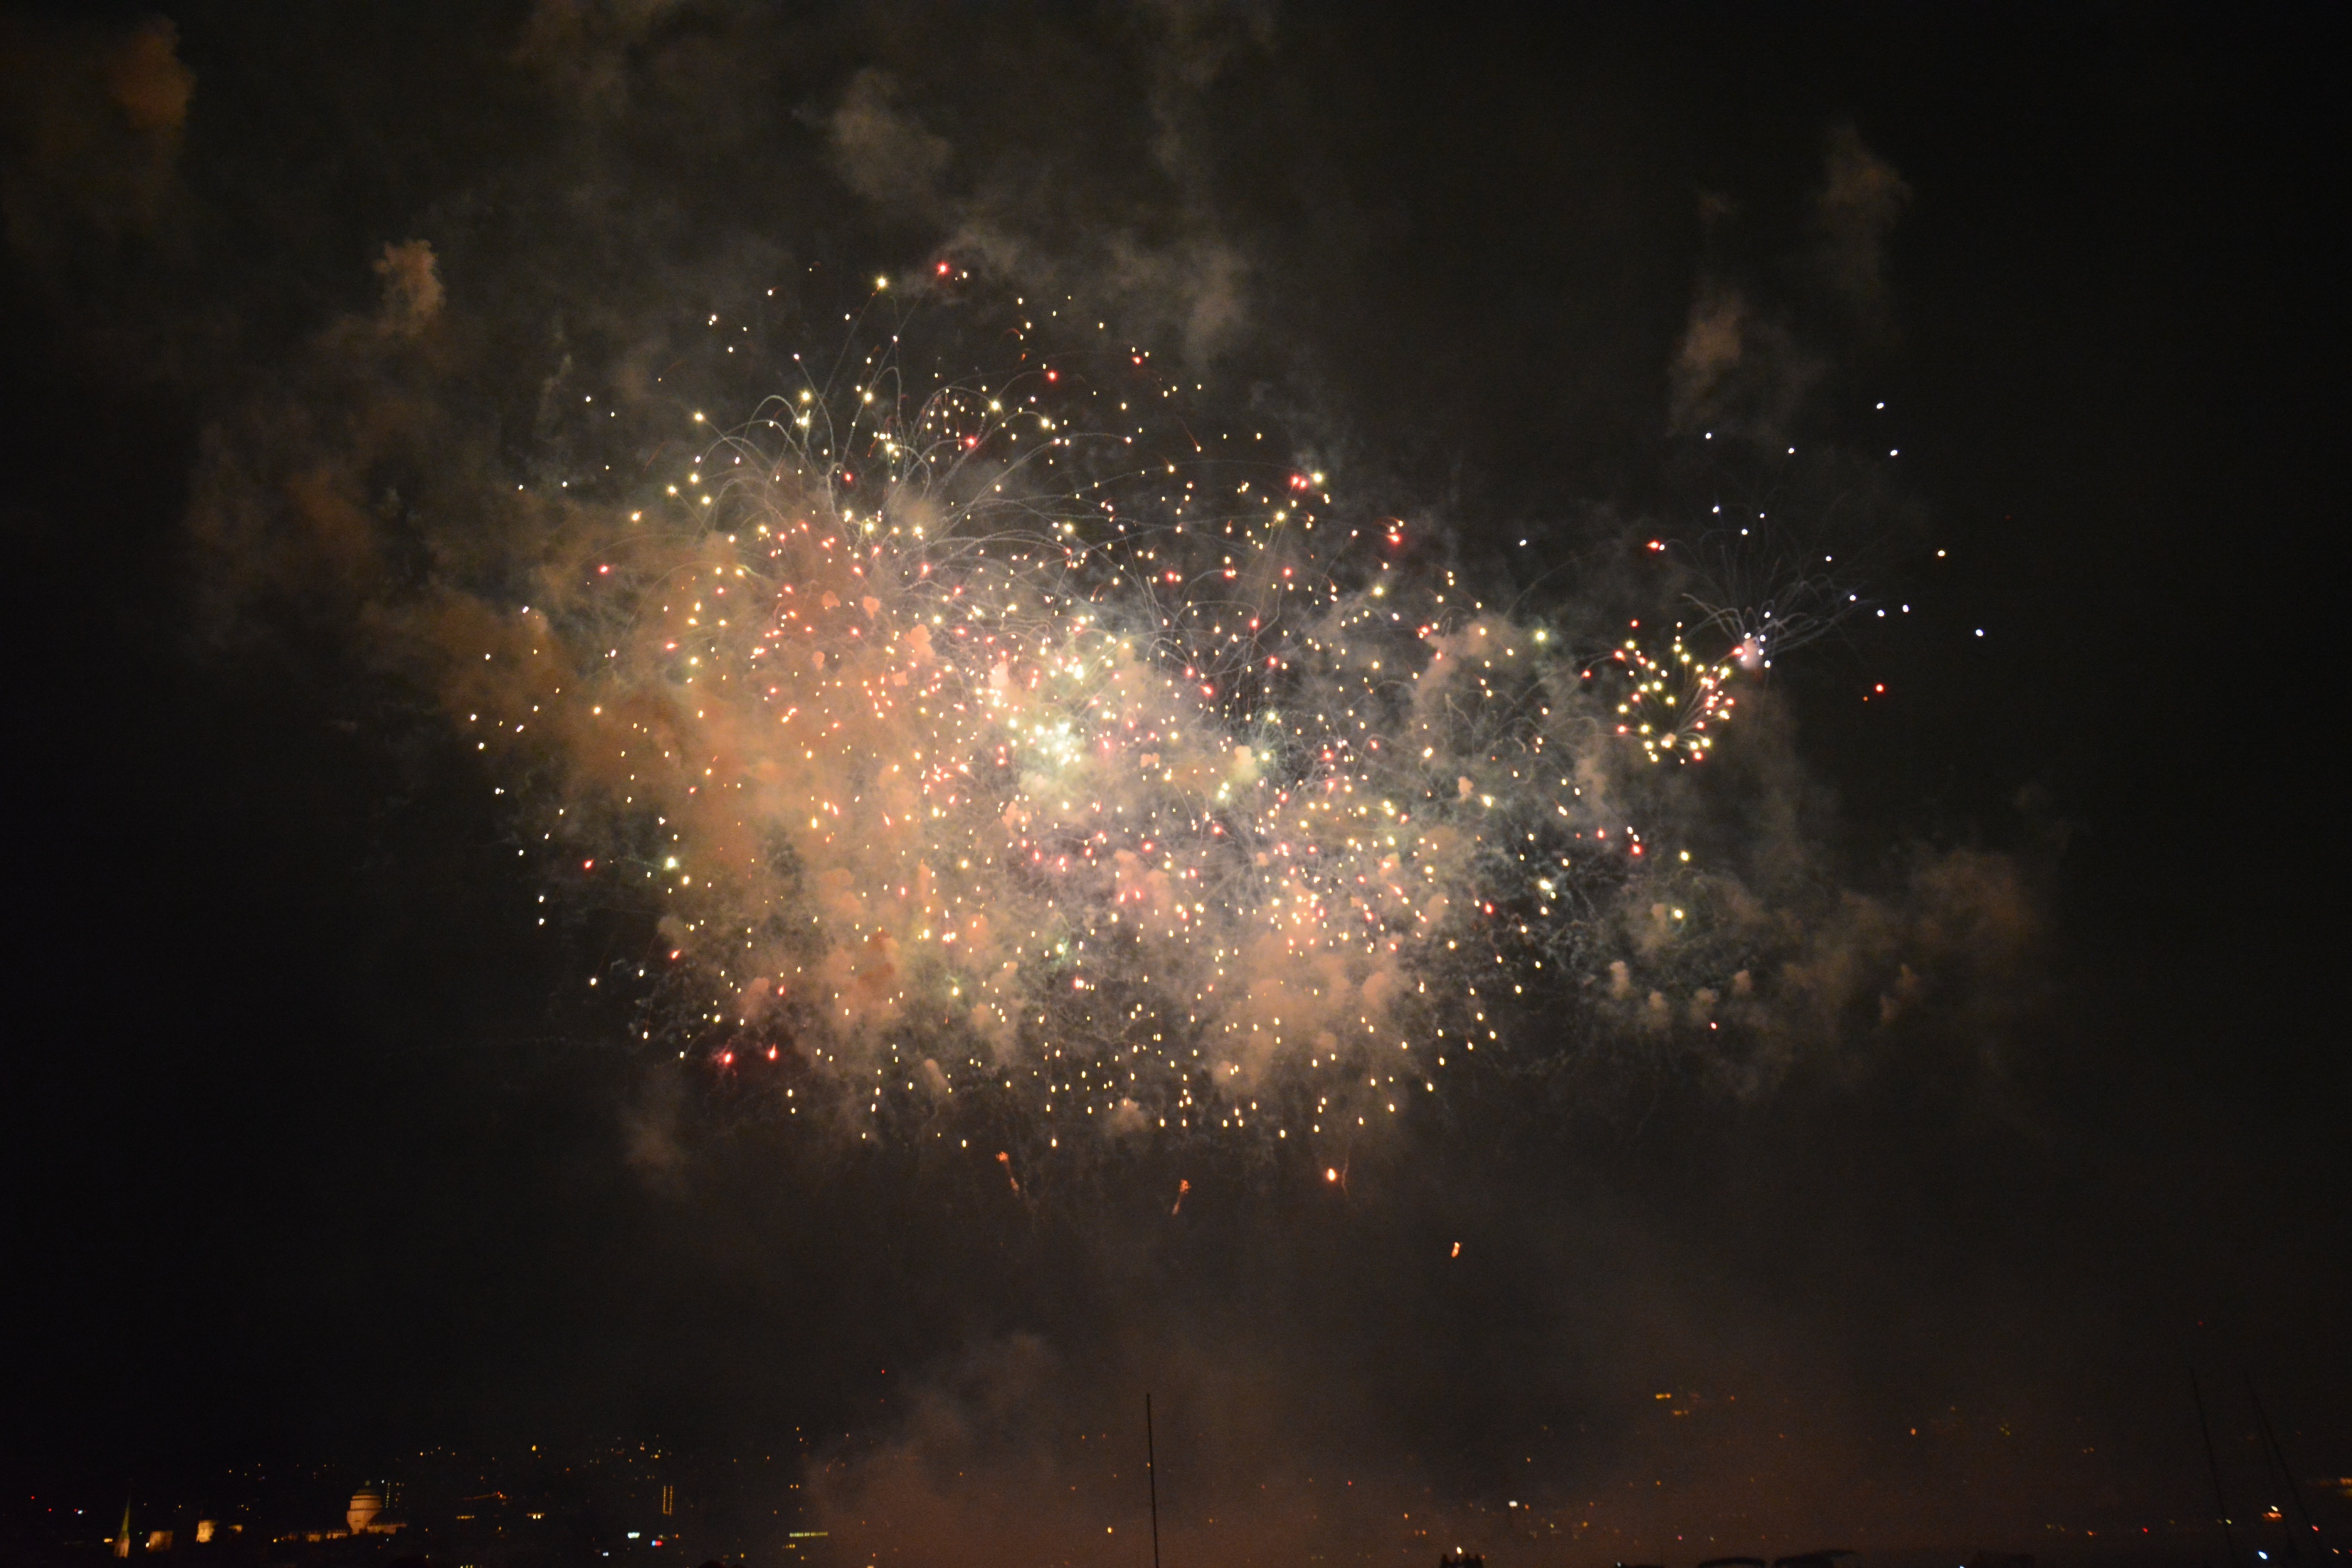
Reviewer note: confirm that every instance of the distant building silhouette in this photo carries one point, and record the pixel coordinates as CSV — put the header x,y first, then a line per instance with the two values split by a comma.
x,y
366,1514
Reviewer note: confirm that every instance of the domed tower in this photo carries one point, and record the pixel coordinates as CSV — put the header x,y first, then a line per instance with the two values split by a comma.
x,y
366,1503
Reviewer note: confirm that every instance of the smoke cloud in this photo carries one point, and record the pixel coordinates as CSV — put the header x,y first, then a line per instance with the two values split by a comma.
x,y
1752,371
988,760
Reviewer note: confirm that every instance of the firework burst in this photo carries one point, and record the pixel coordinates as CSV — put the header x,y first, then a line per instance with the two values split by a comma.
x,y
1014,750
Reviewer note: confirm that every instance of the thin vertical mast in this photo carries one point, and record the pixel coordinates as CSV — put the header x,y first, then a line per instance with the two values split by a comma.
x,y
1151,1473
2213,1467
2278,1457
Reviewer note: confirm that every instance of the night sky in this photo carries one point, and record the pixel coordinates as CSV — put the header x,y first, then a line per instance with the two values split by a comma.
x,y
317,1148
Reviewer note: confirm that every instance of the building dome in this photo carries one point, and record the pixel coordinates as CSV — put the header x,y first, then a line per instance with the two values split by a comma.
x,y
366,1503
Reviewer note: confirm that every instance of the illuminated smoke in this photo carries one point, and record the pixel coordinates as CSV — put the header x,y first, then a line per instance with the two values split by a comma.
x,y
1021,763
973,745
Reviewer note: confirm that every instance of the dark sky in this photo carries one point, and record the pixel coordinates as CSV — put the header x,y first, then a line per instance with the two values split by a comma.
x,y
307,1156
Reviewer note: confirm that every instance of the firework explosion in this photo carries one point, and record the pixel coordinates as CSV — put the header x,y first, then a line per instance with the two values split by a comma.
x,y
1014,752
